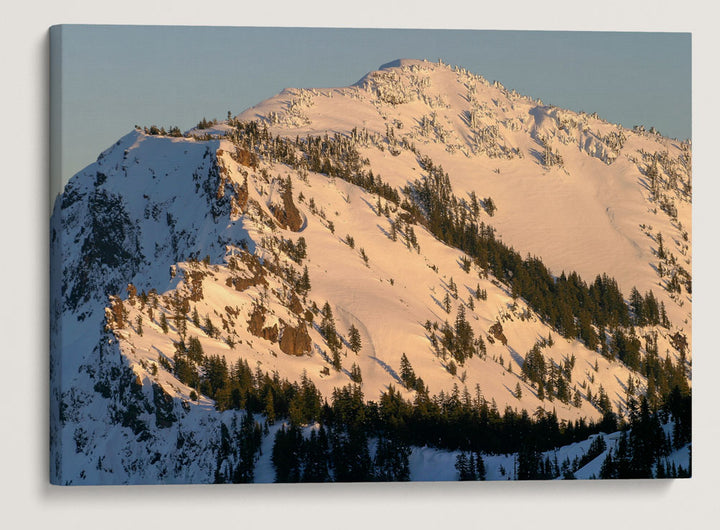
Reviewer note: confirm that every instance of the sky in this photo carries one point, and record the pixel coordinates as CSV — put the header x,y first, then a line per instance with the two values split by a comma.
x,y
114,77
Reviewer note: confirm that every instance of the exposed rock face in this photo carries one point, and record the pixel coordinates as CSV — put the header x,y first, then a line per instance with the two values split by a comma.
x,y
252,266
295,341
256,326
196,278
246,158
240,284
295,305
164,416
271,333
496,330
288,215
241,196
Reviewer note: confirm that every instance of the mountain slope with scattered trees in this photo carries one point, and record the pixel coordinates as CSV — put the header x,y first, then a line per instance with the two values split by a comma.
x,y
255,300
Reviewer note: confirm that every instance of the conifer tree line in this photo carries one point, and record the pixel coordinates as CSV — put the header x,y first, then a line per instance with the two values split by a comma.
x,y
238,450
596,314
448,420
339,448
643,448
593,313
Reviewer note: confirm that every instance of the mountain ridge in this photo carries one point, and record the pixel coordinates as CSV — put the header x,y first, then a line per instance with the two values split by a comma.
x,y
237,258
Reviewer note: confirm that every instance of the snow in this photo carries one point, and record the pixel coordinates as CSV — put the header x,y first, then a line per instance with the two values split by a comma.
x,y
584,216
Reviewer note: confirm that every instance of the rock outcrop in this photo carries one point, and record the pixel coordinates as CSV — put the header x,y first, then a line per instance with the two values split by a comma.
x,y
295,341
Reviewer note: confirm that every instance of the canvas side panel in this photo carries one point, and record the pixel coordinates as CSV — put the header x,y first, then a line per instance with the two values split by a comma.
x,y
55,253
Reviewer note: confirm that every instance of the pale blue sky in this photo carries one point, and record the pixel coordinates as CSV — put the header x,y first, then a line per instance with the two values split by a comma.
x,y
114,77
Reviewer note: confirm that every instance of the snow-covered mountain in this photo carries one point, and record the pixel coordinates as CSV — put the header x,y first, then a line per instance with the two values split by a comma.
x,y
302,241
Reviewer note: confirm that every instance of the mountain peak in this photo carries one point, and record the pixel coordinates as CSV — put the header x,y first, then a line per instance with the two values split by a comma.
x,y
184,265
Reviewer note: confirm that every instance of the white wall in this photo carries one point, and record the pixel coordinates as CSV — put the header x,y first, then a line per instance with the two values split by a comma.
x,y
28,502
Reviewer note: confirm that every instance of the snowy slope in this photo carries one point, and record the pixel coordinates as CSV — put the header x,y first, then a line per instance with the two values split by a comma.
x,y
591,215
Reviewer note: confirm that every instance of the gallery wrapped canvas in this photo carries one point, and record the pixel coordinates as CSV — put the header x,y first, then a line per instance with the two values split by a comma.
x,y
421,274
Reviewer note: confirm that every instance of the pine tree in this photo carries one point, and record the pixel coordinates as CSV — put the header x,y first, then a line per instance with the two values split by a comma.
x,y
518,391
479,467
286,454
209,327
407,374
636,302
490,207
664,321
453,288
464,467
462,345
336,361
354,339
446,303
270,408
392,460
355,374
661,251
316,457
577,399
163,323
327,329
304,283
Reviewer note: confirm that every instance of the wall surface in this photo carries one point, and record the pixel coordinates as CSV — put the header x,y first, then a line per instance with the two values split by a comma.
x,y
28,501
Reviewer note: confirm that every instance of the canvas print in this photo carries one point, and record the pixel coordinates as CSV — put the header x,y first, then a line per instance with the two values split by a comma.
x,y
469,263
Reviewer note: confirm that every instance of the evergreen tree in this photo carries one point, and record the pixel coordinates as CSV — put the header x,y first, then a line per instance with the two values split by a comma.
x,y
392,460
287,454
303,286
355,374
316,457
637,305
327,329
518,391
350,456
195,350
463,340
354,339
464,467
270,408
407,374
490,207
336,360
209,327
453,288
